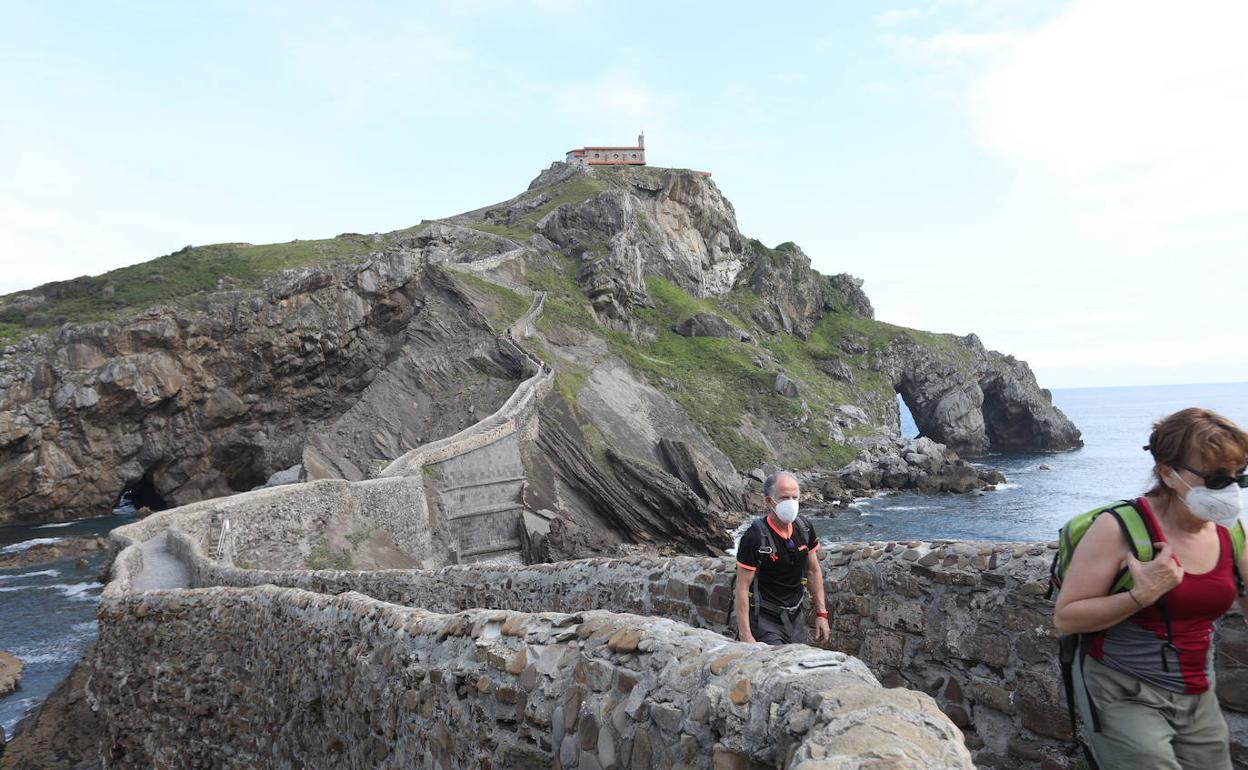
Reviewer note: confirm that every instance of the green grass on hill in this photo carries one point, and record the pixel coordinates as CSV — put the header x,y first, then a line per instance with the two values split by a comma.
x,y
173,277
506,305
717,381
575,190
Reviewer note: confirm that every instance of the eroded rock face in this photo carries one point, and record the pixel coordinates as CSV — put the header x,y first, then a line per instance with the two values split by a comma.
x,y
198,403
670,223
976,400
613,501
795,295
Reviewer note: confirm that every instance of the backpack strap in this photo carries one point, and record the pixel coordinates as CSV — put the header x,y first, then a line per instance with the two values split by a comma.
x,y
801,530
1237,549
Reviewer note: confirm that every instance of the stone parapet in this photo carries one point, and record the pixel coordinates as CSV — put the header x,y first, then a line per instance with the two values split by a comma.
x,y
967,623
284,678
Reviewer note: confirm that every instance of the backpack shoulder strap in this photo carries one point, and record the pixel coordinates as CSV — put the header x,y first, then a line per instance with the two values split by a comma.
x,y
801,528
1139,527
1141,530
1237,541
1237,549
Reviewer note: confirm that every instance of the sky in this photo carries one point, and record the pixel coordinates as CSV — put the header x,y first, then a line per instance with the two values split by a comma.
x,y
1067,180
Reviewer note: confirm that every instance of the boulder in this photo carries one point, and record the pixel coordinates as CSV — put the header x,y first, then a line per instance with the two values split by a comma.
x,y
785,386
837,370
10,673
709,325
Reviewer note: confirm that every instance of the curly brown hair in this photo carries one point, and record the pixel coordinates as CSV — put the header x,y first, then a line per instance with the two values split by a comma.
x,y
1203,432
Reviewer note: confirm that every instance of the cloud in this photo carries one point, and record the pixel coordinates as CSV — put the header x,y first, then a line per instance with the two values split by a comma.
x,y
954,46
1137,107
898,16
42,243
616,97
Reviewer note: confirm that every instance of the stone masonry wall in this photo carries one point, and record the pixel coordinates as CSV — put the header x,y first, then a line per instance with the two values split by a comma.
x,y
967,623
282,678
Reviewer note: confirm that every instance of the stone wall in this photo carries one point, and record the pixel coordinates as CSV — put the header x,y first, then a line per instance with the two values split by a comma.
x,y
282,678
966,623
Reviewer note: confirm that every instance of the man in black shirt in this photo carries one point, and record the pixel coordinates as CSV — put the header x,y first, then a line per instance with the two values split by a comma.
x,y
774,555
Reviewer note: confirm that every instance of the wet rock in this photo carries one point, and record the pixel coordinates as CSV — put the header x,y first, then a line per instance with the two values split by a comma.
x,y
10,673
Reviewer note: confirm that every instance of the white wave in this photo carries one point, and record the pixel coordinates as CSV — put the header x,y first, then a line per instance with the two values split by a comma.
x,y
68,590
77,590
865,514
28,544
1009,485
20,575
56,526
909,507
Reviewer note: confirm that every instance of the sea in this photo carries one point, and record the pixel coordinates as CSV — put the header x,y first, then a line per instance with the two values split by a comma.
x,y
47,611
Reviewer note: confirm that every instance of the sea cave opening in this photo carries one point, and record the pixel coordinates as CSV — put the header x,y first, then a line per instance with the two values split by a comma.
x,y
138,495
909,428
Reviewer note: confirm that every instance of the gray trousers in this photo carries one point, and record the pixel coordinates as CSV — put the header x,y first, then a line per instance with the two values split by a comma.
x,y
784,628
1147,728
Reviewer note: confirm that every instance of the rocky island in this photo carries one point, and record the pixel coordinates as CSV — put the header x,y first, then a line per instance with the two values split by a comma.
x,y
661,320
477,475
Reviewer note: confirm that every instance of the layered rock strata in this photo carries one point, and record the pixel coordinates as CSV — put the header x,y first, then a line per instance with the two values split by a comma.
x,y
193,404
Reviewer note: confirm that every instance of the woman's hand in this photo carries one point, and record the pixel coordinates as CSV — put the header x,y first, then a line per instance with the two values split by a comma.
x,y
1154,579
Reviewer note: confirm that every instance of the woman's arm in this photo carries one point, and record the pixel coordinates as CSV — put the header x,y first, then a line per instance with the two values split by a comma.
x,y
1084,604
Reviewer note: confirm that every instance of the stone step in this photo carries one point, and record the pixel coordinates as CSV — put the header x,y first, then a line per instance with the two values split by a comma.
x,y
506,545
486,483
487,510
478,498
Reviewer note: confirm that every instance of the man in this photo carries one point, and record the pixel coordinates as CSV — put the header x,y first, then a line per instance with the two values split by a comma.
x,y
773,555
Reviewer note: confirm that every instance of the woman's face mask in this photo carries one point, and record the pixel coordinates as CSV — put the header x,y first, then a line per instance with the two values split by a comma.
x,y
1221,506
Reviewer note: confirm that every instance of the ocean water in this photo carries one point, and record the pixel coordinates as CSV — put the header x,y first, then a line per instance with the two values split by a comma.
x,y
1034,503
47,611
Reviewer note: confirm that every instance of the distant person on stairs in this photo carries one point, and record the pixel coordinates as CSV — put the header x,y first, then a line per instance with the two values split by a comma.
x,y
776,564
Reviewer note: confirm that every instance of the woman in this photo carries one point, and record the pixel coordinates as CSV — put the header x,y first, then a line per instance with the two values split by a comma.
x,y
1146,659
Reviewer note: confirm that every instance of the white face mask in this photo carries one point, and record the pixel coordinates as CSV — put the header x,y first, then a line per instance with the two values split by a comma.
x,y
1221,506
786,511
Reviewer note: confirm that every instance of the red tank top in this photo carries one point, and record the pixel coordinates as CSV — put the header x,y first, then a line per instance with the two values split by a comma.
x,y
1137,645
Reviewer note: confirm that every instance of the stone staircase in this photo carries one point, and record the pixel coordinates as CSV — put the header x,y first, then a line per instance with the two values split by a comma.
x,y
474,480
478,495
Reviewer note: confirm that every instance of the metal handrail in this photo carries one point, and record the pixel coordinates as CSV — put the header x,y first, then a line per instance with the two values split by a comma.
x,y
225,529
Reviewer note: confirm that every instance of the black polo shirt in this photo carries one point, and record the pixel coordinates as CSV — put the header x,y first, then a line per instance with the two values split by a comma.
x,y
777,560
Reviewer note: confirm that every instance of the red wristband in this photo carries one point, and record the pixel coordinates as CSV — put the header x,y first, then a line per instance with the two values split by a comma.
x,y
821,614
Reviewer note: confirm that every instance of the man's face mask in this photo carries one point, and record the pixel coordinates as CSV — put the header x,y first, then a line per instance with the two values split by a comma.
x,y
786,511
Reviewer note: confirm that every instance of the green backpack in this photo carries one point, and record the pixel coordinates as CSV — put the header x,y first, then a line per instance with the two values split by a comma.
x,y
1140,530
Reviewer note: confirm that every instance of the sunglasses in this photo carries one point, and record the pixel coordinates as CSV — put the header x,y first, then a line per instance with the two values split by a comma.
x,y
1221,480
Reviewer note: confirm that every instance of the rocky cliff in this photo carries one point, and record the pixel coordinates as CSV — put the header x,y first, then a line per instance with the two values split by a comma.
x,y
684,354
183,403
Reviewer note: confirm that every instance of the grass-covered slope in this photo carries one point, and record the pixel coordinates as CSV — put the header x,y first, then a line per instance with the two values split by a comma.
x,y
171,279
194,270
719,382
